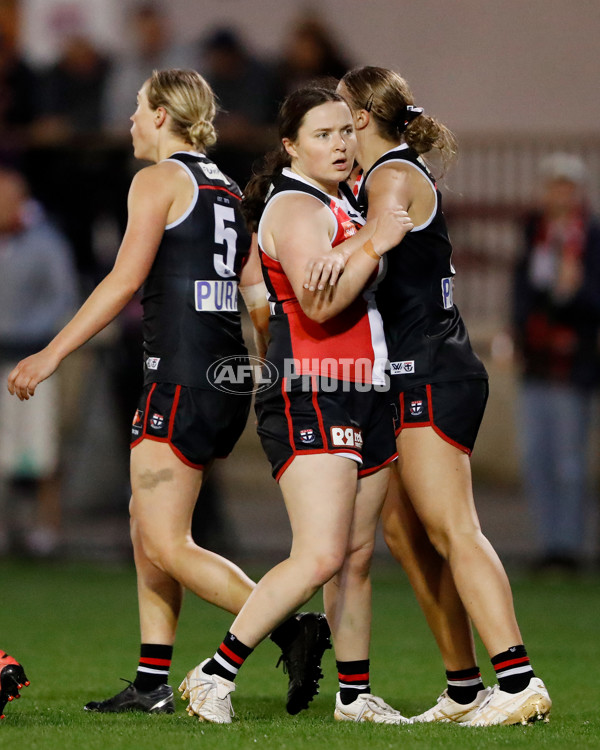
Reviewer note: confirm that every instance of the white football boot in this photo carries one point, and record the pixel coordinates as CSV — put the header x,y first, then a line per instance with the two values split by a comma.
x,y
501,708
448,710
368,707
208,695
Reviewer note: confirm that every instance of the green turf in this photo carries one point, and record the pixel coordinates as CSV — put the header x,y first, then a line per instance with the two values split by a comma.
x,y
74,627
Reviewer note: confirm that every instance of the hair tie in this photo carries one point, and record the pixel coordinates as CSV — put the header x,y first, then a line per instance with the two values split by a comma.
x,y
408,114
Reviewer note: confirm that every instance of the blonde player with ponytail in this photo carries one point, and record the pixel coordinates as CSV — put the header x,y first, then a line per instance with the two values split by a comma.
x,y
186,242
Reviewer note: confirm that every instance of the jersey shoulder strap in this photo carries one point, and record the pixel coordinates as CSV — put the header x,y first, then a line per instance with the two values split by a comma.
x,y
283,184
206,172
401,153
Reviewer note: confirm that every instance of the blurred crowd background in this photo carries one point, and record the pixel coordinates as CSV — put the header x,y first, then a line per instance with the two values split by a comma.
x,y
516,82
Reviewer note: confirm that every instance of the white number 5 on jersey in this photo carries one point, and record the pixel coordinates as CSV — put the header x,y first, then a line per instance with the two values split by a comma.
x,y
227,236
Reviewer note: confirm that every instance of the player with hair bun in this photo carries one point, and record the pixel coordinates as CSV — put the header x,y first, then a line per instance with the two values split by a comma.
x,y
186,243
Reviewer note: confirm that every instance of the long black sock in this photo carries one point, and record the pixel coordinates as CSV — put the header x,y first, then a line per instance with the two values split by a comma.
x,y
464,684
513,669
354,679
228,658
153,669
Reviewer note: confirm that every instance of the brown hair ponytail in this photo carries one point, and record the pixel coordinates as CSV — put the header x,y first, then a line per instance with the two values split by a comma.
x,y
255,194
387,96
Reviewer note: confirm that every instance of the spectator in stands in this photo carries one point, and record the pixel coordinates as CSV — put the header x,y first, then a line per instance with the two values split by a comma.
x,y
556,318
73,170
17,100
243,85
150,47
38,290
72,92
309,52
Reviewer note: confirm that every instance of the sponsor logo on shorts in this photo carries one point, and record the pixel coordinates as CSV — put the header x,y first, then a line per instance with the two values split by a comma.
x,y
447,285
138,418
405,367
346,437
216,296
307,436
242,374
152,363
416,408
157,420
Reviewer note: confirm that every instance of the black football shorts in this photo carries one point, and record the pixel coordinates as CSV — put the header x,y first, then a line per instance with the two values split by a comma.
x,y
344,421
198,424
454,410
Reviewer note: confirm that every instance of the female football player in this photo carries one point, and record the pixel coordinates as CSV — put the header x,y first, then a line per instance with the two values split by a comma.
x,y
440,391
324,426
187,243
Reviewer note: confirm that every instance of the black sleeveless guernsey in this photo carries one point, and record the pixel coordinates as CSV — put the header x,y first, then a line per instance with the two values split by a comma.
x,y
426,337
190,298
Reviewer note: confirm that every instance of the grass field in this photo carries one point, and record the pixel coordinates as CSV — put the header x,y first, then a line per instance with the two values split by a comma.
x,y
74,627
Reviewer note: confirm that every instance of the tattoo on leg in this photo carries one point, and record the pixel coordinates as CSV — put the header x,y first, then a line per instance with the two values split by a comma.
x,y
150,479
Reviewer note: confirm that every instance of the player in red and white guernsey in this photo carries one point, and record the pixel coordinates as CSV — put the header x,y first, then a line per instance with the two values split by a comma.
x,y
186,242
440,389
349,346
324,426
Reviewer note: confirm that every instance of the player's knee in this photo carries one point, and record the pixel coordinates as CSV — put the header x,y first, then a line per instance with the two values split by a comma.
x,y
358,562
157,551
440,538
152,552
324,566
454,540
393,538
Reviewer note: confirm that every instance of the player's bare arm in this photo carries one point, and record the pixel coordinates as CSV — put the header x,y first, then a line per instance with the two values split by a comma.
x,y
301,229
254,293
396,185
377,237
150,199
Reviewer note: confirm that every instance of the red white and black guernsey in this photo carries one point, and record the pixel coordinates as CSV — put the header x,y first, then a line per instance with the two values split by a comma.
x,y
349,347
426,337
190,298
326,402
